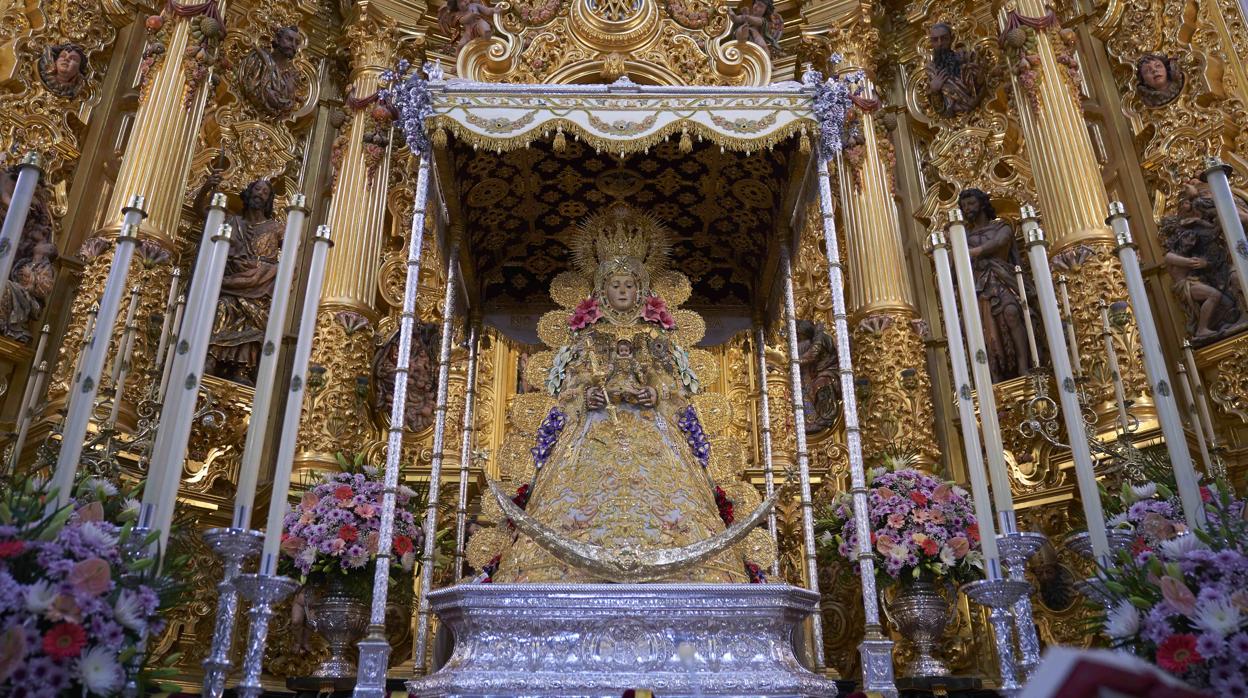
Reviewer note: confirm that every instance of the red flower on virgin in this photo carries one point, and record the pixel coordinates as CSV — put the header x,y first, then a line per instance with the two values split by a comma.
x,y
402,545
656,311
64,641
585,314
11,548
343,492
348,533
1178,652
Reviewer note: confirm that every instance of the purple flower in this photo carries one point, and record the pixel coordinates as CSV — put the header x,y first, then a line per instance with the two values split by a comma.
x,y
1209,645
1238,644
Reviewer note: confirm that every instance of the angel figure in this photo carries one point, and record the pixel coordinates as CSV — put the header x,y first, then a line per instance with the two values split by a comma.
x,y
757,24
466,19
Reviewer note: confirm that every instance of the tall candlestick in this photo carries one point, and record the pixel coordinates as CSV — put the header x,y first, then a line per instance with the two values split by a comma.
x,y
1155,366
285,459
178,413
764,425
1072,411
1026,307
1115,372
1068,326
86,387
465,451
121,360
28,395
166,364
998,473
1215,174
1198,392
162,447
1192,418
88,332
167,323
28,415
266,375
19,208
966,406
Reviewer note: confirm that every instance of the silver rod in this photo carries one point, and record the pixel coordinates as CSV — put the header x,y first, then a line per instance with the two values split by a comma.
x,y
1199,394
1186,386
28,395
465,451
375,648
803,458
121,362
764,416
435,469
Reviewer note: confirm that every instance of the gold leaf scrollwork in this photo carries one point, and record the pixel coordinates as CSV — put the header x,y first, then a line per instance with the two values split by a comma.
x,y
690,328
553,329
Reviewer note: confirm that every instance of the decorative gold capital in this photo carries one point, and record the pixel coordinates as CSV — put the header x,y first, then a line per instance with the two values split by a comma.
x,y
372,41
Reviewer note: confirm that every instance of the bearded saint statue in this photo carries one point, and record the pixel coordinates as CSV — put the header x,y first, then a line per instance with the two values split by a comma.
x,y
622,459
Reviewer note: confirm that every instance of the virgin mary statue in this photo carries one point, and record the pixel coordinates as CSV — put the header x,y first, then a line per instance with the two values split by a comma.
x,y
620,461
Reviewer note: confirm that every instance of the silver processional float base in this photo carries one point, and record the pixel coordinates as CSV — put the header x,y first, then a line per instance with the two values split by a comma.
x,y
597,640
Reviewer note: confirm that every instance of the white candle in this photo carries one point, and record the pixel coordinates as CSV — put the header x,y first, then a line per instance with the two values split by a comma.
x,y
1026,308
1072,413
266,375
966,407
178,414
1193,419
1228,215
88,332
28,395
166,327
84,390
1002,497
1115,372
1198,391
167,363
121,361
294,403
1158,379
1068,325
162,449
19,207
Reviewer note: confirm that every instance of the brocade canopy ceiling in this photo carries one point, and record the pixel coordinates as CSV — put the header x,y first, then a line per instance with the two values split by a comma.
x,y
522,206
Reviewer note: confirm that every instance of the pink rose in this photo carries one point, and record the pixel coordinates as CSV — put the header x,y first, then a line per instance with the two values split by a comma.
x,y
656,311
91,512
293,545
943,494
91,576
336,545
309,500
1179,596
585,314
885,493
884,544
960,546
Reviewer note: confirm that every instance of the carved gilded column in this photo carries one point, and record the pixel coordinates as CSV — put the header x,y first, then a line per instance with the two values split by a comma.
x,y
1073,201
893,383
176,82
336,415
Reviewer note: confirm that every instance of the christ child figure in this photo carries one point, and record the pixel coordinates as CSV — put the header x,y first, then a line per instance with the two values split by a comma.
x,y
626,379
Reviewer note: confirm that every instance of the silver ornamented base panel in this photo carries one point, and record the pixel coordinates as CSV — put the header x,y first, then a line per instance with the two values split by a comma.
x,y
598,640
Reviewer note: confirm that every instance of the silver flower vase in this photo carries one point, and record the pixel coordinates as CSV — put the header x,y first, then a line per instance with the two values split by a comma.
x,y
920,611
338,613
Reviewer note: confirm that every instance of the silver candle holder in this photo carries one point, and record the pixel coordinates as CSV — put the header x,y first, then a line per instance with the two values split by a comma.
x,y
234,546
264,591
999,596
1017,547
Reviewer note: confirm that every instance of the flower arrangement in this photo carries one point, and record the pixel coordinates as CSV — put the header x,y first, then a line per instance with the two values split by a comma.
x,y
73,608
335,527
1183,604
655,311
919,526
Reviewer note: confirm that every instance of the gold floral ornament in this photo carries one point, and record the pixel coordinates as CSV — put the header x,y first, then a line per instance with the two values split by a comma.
x,y
703,365
537,369
491,513
553,329
528,410
714,411
487,544
745,497
758,548
727,459
516,457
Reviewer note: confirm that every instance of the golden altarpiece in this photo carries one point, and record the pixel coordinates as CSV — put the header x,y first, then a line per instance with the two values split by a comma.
x,y
1066,107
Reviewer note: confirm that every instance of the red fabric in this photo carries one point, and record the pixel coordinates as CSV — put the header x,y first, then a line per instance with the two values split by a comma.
x,y
209,8
1088,677
867,105
358,104
1014,20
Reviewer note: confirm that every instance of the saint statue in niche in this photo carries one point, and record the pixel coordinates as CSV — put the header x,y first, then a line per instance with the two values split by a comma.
x,y
993,258
63,69
26,290
269,79
247,286
1200,267
1159,79
422,377
816,350
957,79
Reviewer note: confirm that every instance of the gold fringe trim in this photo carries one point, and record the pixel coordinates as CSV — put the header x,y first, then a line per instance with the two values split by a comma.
x,y
625,144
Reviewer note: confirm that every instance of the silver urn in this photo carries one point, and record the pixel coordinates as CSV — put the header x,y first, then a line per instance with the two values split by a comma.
x,y
921,612
338,613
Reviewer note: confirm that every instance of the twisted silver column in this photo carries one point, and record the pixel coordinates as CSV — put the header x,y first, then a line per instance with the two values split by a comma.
x,y
876,650
803,458
764,418
421,648
375,647
465,450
